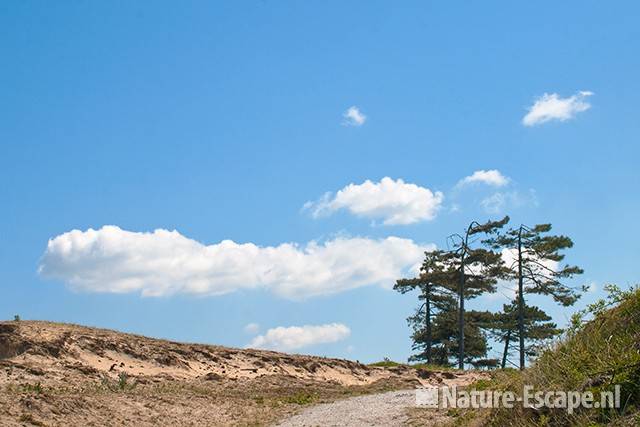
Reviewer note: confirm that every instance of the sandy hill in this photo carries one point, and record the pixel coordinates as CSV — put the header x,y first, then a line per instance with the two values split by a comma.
x,y
61,374
63,351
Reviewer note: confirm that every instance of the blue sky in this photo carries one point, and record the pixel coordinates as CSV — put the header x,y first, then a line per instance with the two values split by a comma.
x,y
222,119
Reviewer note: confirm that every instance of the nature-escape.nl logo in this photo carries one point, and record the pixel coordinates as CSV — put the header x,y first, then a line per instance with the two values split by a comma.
x,y
450,397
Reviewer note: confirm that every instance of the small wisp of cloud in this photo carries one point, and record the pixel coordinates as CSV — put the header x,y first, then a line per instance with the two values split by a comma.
x,y
252,328
493,178
500,201
551,106
353,117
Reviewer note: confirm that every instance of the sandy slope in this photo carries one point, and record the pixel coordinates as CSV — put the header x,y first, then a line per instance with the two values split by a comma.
x,y
59,349
59,374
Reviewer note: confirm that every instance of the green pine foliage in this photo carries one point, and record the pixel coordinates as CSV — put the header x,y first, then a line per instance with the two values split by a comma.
x,y
536,269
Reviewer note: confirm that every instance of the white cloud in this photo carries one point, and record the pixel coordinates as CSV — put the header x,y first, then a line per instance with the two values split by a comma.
x,y
491,177
252,328
500,201
394,202
552,107
495,203
353,117
165,262
295,337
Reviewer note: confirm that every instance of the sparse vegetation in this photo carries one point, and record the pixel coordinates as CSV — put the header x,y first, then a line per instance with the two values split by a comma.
x,y
122,383
28,418
25,388
386,363
301,398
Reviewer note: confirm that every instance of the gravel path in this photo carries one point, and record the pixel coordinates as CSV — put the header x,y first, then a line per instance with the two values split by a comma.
x,y
384,409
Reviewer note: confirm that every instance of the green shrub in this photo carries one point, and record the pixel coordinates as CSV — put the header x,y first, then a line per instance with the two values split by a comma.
x,y
121,384
122,381
386,363
30,388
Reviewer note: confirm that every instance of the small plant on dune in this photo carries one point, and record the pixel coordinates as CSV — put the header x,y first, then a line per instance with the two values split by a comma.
x,y
121,384
32,388
16,318
104,382
385,363
122,381
301,398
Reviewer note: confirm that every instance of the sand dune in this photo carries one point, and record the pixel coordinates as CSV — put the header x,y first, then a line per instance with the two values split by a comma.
x,y
61,374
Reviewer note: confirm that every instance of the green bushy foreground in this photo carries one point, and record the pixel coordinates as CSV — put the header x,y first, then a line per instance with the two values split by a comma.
x,y
594,356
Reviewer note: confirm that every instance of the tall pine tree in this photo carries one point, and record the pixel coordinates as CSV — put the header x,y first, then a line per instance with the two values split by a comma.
x,y
478,269
436,294
536,268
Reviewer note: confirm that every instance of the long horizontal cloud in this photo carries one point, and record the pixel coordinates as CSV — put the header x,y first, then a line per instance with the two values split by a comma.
x,y
395,202
295,337
165,262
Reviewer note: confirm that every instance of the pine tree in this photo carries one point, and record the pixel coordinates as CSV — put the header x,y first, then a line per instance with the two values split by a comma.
x,y
478,270
536,269
436,292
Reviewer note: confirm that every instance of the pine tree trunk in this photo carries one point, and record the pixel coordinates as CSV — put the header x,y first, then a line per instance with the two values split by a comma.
x,y
520,300
461,316
506,349
427,309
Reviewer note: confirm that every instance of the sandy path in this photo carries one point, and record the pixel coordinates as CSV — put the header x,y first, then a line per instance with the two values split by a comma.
x,y
384,409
